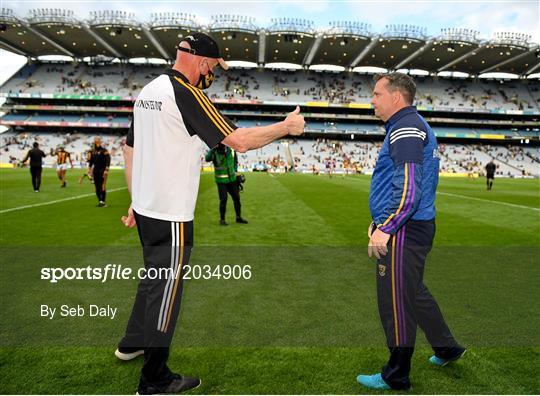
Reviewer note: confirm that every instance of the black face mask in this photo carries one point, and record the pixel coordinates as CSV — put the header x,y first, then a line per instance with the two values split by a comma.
x,y
205,81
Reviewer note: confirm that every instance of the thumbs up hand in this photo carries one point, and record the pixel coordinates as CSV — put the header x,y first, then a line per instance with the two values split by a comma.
x,y
295,122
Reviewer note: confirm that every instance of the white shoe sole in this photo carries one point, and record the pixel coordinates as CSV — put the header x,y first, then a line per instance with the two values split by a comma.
x,y
128,356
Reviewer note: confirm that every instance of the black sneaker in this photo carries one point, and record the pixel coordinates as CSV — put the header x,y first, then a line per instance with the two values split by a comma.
x,y
178,384
241,220
223,223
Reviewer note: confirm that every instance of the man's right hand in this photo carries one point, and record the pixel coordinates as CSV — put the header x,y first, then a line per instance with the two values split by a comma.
x,y
295,122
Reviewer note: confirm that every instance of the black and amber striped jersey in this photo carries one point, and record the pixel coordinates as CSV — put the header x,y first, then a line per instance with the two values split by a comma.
x,y
62,157
172,121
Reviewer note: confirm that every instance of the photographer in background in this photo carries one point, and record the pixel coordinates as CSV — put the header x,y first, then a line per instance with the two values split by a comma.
x,y
225,163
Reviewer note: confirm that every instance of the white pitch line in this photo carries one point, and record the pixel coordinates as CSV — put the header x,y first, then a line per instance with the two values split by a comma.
x,y
489,200
56,201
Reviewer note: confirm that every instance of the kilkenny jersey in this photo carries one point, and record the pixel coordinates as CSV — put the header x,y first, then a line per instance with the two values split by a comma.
x,y
173,124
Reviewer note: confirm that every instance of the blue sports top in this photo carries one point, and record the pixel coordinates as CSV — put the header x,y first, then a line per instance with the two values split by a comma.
x,y
406,175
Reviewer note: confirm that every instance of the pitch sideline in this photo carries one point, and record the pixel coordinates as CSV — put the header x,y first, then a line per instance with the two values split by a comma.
x,y
123,188
488,200
56,201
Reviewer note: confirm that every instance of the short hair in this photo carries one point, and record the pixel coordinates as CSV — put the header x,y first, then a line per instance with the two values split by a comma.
x,y
401,82
35,144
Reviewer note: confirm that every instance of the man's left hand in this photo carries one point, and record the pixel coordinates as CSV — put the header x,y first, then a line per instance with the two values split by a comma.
x,y
377,244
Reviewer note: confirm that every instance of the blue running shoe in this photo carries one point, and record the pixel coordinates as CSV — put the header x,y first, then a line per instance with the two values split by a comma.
x,y
437,361
373,381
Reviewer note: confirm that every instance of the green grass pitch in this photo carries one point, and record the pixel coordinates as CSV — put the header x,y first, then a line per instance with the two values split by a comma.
x,y
305,323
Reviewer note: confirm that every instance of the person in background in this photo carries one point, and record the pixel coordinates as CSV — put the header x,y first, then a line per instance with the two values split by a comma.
x,y
225,163
87,173
98,166
490,174
62,158
36,156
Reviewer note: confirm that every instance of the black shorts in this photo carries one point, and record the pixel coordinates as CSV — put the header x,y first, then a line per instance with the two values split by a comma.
x,y
490,176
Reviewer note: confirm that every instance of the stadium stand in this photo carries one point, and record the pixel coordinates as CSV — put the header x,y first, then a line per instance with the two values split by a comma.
x,y
15,117
268,85
475,119
55,117
487,95
320,155
309,156
15,145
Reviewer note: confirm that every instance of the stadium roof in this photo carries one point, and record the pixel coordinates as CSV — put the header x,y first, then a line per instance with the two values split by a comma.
x,y
118,34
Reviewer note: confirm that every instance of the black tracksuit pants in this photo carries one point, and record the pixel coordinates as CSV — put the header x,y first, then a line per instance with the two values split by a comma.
x,y
166,245
405,302
223,190
35,172
99,180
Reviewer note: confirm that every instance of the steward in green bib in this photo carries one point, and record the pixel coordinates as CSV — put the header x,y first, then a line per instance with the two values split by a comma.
x,y
225,163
